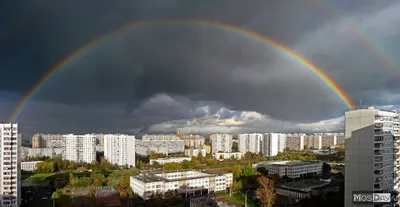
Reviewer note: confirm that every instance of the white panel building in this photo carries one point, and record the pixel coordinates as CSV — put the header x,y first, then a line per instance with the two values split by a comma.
x,y
292,169
271,144
79,148
372,152
221,143
185,182
10,165
250,142
120,149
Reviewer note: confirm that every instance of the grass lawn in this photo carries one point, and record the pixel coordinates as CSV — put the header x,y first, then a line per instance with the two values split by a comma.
x,y
40,176
237,199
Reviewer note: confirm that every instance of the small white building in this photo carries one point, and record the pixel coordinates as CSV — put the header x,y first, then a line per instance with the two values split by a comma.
x,y
228,155
162,161
29,166
195,152
185,182
292,169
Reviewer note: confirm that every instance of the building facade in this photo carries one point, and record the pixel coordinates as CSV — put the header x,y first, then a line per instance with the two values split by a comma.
x,y
144,148
371,152
120,149
250,142
29,166
292,169
194,141
195,152
160,137
221,143
163,161
228,155
10,165
41,152
185,182
79,148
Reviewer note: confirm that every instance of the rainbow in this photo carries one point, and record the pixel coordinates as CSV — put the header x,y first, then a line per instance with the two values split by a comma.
x,y
253,35
388,59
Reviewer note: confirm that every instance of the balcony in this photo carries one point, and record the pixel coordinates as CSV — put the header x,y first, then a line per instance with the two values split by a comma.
x,y
378,146
378,125
378,152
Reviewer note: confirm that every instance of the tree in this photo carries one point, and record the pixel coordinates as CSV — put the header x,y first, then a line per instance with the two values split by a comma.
x,y
262,170
98,179
266,191
305,147
248,170
172,166
326,168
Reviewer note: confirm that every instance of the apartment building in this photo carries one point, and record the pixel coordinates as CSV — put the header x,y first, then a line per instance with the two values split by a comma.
x,y
120,149
221,143
185,182
371,153
42,140
194,141
160,137
144,148
295,141
292,169
79,148
273,143
250,142
10,165
42,152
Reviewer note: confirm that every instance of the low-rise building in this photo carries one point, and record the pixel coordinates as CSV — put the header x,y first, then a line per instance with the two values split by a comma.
x,y
299,189
29,166
292,169
228,155
185,182
195,152
162,161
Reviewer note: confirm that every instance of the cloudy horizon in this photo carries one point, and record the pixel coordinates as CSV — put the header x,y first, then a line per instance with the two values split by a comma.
x,y
156,78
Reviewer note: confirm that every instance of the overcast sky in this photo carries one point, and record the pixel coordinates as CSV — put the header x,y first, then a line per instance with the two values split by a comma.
x,y
155,78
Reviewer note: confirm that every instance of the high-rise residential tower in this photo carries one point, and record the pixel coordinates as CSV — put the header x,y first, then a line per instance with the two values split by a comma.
x,y
250,142
120,149
79,148
10,165
371,153
221,143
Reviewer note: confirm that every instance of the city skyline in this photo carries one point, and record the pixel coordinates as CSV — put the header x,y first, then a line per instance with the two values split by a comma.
x,y
221,74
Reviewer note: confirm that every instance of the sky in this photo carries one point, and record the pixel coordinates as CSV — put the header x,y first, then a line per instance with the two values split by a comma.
x,y
156,78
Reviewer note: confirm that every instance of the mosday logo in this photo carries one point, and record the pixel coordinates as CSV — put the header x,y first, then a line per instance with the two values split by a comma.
x,y
368,197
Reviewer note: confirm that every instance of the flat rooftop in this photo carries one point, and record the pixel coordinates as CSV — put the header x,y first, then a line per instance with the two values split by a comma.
x,y
291,163
304,184
159,176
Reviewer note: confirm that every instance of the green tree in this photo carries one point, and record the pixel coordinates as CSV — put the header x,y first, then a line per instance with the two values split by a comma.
x,y
172,166
98,179
248,170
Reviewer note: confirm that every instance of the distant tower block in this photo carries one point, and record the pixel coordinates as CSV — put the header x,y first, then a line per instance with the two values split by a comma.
x,y
179,132
36,141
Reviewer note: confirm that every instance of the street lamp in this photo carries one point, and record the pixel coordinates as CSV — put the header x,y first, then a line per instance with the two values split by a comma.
x,y
245,198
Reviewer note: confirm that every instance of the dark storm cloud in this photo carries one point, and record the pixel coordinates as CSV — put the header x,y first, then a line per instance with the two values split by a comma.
x,y
197,66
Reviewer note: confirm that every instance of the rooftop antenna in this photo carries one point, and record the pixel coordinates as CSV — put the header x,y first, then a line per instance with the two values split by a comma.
x,y
360,103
